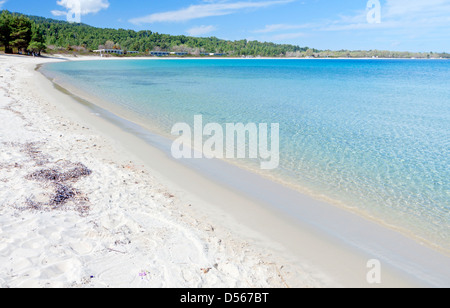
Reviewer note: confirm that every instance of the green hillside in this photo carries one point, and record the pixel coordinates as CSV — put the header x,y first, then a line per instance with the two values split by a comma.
x,y
63,34
60,36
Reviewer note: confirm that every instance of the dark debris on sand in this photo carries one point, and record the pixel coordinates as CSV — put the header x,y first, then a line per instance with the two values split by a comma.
x,y
53,175
61,179
59,175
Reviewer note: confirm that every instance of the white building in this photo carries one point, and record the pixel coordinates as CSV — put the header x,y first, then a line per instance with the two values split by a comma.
x,y
211,54
179,53
114,51
159,53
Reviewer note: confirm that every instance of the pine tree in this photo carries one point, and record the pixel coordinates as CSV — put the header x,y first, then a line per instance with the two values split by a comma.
x,y
20,32
5,30
37,43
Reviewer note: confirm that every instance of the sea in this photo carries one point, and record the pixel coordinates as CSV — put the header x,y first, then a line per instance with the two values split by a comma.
x,y
372,135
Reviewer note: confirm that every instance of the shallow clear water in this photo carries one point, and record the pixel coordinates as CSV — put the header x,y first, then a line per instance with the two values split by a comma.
x,y
373,135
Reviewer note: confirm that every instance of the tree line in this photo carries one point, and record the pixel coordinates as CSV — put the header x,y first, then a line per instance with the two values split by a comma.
x,y
20,33
36,34
62,35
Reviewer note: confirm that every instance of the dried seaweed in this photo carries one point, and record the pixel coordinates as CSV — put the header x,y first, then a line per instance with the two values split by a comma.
x,y
63,194
44,175
63,191
56,176
32,150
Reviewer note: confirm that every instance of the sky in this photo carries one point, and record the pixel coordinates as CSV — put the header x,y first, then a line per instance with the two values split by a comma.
x,y
399,25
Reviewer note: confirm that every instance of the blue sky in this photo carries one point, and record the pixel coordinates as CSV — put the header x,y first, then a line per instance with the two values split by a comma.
x,y
404,25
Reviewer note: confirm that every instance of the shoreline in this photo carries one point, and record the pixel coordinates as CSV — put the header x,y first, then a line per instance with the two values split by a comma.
x,y
71,57
123,226
328,237
222,175
141,128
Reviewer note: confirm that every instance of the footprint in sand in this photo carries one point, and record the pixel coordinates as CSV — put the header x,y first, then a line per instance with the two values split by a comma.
x,y
81,248
52,233
35,243
68,271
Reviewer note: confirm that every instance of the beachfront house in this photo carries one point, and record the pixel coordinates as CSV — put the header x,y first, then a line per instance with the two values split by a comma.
x,y
179,53
211,54
159,53
114,51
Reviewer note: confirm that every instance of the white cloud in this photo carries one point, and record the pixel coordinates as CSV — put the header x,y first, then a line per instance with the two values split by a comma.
x,y
404,8
404,15
201,30
211,8
2,2
58,13
83,7
287,36
282,27
418,23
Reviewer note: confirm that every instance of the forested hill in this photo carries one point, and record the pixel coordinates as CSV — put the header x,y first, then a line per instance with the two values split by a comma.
x,y
63,34
54,35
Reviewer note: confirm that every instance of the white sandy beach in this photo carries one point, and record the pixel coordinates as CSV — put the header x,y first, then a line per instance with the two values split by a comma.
x,y
80,208
123,228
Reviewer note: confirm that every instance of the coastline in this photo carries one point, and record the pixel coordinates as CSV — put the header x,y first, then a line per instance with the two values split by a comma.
x,y
143,126
97,57
137,231
327,237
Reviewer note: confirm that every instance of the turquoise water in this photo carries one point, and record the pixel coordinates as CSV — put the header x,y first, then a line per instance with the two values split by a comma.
x,y
373,135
